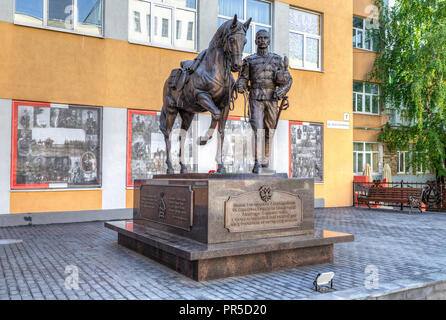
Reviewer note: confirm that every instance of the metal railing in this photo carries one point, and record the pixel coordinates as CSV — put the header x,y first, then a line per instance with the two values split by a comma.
x,y
433,193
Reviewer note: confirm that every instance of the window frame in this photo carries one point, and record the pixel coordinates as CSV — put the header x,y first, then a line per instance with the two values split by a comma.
x,y
173,27
45,25
364,95
364,152
364,31
253,24
308,35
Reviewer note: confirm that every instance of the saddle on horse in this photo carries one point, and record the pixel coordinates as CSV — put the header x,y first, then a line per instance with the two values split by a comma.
x,y
179,77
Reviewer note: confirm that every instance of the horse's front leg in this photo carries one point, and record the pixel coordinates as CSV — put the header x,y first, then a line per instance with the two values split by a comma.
x,y
202,140
221,132
204,99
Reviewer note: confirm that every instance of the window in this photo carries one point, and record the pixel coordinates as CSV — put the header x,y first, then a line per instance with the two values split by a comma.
x,y
260,11
146,153
190,30
83,16
363,153
305,39
404,166
364,37
365,97
137,17
178,29
166,27
55,146
306,150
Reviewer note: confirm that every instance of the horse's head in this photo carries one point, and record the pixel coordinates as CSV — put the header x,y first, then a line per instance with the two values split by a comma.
x,y
234,41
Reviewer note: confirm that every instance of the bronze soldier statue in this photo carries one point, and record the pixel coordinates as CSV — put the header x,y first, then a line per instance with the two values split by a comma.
x,y
269,81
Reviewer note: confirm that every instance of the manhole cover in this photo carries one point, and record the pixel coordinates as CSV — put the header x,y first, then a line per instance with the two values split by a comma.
x,y
10,241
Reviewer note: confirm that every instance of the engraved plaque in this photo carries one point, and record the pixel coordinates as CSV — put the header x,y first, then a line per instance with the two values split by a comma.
x,y
265,209
170,205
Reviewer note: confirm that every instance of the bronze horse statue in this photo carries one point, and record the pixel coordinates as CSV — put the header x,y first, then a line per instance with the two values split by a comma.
x,y
206,85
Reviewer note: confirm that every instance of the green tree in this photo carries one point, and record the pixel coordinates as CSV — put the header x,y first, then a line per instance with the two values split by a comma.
x,y
411,67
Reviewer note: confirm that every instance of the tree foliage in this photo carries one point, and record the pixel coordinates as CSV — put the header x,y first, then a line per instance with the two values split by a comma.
x,y
411,67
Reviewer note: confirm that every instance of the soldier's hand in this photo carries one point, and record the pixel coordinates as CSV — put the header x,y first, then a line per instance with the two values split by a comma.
x,y
240,88
279,94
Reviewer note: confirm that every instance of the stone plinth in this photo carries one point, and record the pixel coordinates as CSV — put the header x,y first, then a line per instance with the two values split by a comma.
x,y
214,208
209,226
201,261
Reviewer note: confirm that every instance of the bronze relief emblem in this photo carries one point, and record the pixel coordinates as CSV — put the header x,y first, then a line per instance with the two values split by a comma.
x,y
265,193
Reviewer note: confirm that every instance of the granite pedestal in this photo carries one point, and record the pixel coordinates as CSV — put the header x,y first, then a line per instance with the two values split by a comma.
x,y
209,226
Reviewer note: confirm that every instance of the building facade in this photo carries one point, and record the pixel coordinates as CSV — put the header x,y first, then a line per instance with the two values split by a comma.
x,y
81,89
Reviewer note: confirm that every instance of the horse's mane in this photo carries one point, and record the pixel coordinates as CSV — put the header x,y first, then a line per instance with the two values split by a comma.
x,y
218,41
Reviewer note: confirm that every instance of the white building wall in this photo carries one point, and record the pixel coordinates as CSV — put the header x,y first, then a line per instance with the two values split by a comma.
x,y
281,148
114,158
5,154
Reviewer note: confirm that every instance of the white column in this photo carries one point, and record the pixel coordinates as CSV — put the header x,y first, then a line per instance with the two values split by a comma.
x,y
206,153
114,158
207,22
281,28
281,154
5,154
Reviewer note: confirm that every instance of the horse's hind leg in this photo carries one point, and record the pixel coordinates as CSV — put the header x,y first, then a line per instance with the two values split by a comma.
x,y
186,120
167,119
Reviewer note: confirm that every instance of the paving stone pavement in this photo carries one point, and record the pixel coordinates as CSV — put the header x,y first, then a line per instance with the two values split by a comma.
x,y
400,245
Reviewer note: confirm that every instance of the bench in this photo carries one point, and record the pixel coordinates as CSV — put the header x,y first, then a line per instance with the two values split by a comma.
x,y
410,196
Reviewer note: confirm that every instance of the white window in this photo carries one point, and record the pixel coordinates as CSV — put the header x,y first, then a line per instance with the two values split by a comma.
x,y
364,37
365,97
82,16
166,28
305,39
404,166
259,11
363,153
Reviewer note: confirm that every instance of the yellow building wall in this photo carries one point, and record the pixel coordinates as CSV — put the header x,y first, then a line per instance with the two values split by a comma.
x,y
59,67
361,8
55,201
42,65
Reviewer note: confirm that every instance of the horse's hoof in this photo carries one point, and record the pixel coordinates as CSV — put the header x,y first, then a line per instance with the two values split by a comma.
x,y
184,170
202,141
221,169
256,168
170,171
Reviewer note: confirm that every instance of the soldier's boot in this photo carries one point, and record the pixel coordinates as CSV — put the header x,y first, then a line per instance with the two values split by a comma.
x,y
256,168
258,140
265,161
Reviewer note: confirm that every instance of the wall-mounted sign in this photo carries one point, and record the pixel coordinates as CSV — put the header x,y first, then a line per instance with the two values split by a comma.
x,y
338,124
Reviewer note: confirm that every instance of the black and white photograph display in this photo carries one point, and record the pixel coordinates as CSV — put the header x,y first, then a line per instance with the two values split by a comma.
x,y
57,145
238,145
146,150
306,150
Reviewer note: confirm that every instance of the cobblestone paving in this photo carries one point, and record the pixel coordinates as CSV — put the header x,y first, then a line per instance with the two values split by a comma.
x,y
398,244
